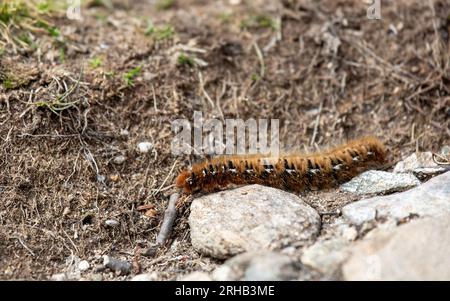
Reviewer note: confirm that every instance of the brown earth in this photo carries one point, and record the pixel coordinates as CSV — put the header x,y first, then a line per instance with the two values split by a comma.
x,y
322,68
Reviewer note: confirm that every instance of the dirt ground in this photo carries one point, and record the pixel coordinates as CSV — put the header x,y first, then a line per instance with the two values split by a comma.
x,y
77,94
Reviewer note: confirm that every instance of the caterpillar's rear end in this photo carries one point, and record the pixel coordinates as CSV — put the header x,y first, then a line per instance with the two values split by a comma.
x,y
290,172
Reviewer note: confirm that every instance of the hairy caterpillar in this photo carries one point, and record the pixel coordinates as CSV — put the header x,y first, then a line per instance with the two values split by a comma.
x,y
291,172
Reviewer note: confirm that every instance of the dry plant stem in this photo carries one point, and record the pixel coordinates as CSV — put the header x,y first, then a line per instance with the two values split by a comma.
x,y
169,217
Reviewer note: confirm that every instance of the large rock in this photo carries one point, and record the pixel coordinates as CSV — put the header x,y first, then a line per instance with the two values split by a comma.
x,y
250,218
257,266
418,250
377,181
429,199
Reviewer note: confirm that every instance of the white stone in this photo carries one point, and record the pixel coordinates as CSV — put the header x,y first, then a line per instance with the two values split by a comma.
x,y
144,147
83,266
111,223
145,277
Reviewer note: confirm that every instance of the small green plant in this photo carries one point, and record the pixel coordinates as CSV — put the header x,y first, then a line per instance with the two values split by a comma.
x,y
8,84
95,62
25,37
130,75
255,77
261,21
225,17
165,4
150,27
43,7
62,54
11,11
163,33
185,60
110,74
52,30
60,102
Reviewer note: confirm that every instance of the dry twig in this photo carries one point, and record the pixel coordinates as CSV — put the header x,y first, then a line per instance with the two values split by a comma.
x,y
169,217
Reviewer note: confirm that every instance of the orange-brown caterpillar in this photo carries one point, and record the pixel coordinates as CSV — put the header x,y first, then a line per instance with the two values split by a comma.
x,y
289,172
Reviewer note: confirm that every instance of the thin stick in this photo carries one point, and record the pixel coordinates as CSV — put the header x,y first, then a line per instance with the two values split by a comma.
x,y
262,72
25,246
316,124
169,217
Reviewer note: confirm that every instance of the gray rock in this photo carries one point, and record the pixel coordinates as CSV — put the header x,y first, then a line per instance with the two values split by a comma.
x,y
197,276
326,256
429,199
419,163
377,181
414,251
250,218
145,277
119,159
120,266
257,266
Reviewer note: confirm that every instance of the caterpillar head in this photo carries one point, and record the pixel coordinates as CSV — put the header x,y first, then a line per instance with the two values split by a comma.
x,y
185,181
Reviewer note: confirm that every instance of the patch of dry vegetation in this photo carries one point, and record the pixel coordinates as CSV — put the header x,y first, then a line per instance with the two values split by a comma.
x,y
75,95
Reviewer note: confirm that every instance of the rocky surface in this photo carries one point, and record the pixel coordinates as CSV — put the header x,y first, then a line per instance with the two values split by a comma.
x,y
418,250
197,276
419,163
326,256
377,181
146,277
257,266
429,199
250,218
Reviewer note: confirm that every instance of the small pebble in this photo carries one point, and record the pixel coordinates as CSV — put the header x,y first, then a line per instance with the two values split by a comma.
x,y
83,266
112,223
145,277
144,147
101,178
119,159
59,277
96,277
120,266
